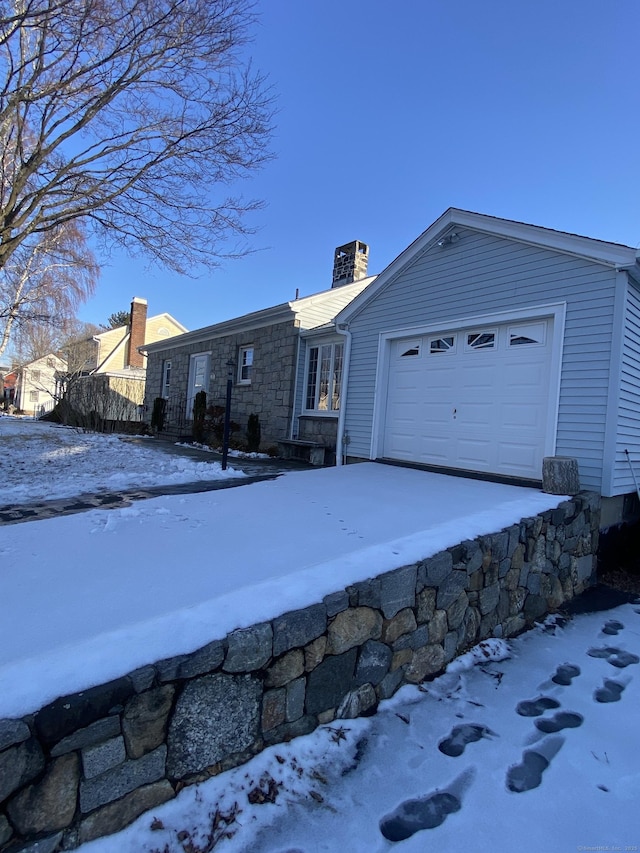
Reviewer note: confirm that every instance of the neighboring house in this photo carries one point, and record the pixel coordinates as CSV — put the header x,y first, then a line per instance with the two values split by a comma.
x,y
285,363
489,344
107,371
38,384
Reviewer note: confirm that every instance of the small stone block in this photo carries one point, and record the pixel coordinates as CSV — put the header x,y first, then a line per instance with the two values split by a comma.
x,y
560,475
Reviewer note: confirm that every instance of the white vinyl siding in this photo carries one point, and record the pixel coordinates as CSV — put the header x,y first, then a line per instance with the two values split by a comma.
x,y
481,274
628,420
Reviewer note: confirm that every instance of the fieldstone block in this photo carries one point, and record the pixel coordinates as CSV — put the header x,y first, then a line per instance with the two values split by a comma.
x,y
249,649
79,710
144,722
500,545
425,605
330,682
560,475
215,716
438,626
373,663
584,567
297,728
295,699
5,830
456,611
514,625
314,653
403,622
419,637
142,678
43,845
115,816
488,598
203,660
555,595
450,645
535,606
438,568
502,610
400,658
358,703
19,765
516,600
273,709
49,805
424,662
365,593
352,628
474,557
286,669
534,583
97,732
389,684
450,589
122,780
169,668
102,757
336,602
298,628
13,732
398,590
471,626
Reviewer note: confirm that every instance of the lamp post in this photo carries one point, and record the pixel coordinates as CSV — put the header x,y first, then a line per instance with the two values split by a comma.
x,y
227,415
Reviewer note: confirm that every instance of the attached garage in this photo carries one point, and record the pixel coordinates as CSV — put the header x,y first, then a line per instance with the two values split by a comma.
x,y
489,344
474,398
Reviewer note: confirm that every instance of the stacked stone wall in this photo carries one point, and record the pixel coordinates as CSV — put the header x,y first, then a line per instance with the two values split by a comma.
x,y
269,394
88,764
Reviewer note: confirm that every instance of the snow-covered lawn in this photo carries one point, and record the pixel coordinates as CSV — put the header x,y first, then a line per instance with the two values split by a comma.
x,y
46,461
88,597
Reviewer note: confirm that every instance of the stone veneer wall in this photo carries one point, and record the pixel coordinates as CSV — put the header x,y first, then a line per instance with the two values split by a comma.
x,y
269,394
88,764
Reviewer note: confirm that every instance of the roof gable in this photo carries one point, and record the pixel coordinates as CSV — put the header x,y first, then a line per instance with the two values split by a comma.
x,y
443,230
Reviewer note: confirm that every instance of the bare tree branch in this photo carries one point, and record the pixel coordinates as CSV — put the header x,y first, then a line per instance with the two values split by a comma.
x,y
136,116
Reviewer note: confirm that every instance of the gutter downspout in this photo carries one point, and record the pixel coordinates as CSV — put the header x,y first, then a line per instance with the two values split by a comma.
x,y
343,329
294,406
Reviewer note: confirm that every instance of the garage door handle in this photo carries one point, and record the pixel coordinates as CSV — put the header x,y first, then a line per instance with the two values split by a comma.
x,y
455,411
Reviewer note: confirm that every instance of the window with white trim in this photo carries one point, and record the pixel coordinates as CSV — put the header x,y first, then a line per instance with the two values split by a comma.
x,y
481,340
447,343
324,378
33,396
245,365
35,376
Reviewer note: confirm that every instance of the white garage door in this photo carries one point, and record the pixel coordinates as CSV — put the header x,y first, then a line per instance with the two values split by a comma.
x,y
475,399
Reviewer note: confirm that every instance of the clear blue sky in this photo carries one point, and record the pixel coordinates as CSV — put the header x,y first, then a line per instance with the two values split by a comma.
x,y
389,113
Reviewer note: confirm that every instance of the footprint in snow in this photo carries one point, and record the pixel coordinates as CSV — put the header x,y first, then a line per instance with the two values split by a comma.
x,y
611,691
427,812
559,721
565,674
528,774
460,736
612,627
614,656
536,707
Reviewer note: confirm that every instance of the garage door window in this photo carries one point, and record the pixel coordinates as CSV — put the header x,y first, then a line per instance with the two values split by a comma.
x,y
324,378
529,335
444,344
481,340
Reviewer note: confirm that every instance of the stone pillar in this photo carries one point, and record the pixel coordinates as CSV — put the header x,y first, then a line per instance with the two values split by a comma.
x,y
560,475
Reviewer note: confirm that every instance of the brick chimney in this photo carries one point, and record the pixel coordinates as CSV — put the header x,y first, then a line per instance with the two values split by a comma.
x,y
137,329
350,263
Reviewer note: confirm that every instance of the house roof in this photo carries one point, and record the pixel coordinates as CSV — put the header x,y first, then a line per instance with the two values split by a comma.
x,y
119,343
614,255
308,312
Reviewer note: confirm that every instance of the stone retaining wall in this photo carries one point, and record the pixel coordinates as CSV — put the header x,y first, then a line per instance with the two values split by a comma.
x,y
88,764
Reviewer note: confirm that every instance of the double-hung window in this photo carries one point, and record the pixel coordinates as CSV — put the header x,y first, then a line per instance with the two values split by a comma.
x,y
166,379
324,378
245,365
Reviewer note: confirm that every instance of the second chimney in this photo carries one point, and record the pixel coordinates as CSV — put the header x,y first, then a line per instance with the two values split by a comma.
x,y
137,330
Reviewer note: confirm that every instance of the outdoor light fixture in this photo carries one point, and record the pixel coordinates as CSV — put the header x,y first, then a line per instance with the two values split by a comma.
x,y
448,239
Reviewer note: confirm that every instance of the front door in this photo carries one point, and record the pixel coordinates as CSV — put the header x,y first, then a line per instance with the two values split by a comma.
x,y
198,379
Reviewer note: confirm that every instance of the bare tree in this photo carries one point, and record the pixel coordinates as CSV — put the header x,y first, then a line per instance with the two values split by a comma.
x,y
136,117
41,285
